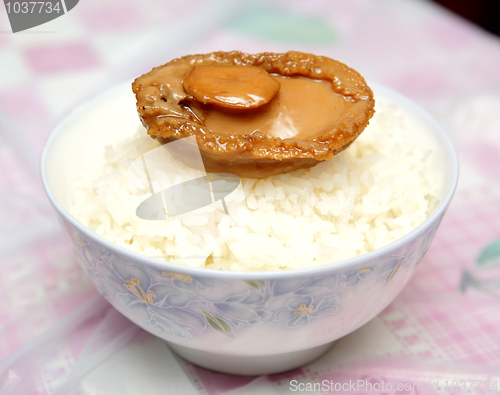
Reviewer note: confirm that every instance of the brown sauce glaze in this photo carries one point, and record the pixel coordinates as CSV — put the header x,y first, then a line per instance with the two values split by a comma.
x,y
256,115
303,109
230,87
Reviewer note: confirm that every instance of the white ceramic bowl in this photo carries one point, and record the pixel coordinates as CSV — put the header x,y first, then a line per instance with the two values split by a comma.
x,y
246,323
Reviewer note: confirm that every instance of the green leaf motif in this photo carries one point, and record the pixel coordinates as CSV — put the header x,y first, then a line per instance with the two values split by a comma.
x,y
256,284
283,26
219,324
393,272
490,256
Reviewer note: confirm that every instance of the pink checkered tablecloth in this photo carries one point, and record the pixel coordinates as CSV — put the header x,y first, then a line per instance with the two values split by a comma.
x,y
58,336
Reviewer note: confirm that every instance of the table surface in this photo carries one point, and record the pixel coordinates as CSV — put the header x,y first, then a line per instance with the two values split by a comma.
x,y
59,336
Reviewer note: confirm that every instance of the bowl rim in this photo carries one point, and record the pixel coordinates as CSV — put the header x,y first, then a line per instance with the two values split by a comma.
x,y
351,263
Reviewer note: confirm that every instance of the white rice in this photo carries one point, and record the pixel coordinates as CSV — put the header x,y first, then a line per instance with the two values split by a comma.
x,y
379,189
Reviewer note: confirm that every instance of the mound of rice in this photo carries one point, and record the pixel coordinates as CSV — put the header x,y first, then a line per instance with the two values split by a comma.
x,y
379,189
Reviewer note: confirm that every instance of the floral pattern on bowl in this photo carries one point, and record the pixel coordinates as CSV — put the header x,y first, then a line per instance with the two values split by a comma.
x,y
181,307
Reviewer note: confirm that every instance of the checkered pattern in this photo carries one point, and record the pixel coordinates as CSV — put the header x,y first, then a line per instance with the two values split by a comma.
x,y
463,326
468,227
411,46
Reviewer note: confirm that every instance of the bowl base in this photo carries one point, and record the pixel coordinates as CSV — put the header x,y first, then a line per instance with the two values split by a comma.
x,y
250,365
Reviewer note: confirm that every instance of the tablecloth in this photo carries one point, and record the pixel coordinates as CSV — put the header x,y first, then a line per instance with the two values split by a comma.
x,y
59,336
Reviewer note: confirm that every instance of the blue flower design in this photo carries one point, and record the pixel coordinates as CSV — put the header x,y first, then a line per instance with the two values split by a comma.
x,y
247,308
301,310
193,284
160,306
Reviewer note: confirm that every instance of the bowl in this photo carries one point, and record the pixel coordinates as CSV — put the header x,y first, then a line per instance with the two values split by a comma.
x,y
247,323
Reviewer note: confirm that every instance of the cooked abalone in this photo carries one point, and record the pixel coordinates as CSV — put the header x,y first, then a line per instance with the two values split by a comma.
x,y
256,115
